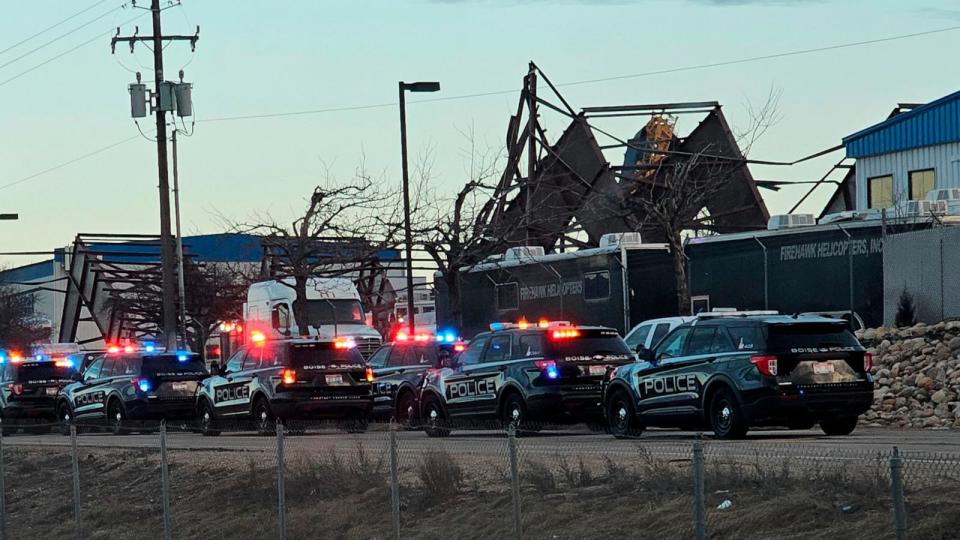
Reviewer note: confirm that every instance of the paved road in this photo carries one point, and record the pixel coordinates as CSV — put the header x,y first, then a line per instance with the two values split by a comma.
x,y
812,443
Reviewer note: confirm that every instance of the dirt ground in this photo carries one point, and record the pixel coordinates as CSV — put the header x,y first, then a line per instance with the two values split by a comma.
x,y
234,495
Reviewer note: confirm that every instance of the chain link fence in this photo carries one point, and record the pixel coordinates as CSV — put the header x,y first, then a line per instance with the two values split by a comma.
x,y
326,480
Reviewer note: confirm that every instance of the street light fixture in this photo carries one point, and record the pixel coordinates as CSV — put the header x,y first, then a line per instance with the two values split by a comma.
x,y
408,235
9,217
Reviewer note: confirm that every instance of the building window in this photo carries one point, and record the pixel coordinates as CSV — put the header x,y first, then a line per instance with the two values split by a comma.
x,y
596,286
921,183
508,296
880,192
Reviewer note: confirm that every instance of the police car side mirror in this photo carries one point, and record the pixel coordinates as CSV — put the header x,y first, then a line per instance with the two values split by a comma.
x,y
214,368
644,354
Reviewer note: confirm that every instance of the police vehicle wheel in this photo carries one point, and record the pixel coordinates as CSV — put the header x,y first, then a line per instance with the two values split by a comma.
x,y
65,418
263,418
726,419
208,422
116,418
621,419
514,414
839,426
405,414
434,421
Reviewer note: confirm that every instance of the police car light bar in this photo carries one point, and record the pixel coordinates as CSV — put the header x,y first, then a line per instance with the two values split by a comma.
x,y
727,312
344,343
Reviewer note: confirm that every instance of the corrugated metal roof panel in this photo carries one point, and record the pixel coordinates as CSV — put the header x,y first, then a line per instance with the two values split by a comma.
x,y
937,122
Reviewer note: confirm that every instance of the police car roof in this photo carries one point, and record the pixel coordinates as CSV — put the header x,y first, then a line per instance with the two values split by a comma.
x,y
767,319
550,328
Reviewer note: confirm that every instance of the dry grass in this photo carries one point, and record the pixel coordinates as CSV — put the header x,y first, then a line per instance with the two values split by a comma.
x,y
346,495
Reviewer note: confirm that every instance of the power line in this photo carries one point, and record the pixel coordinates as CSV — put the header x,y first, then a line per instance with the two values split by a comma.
x,y
51,27
58,38
70,162
467,96
64,53
593,81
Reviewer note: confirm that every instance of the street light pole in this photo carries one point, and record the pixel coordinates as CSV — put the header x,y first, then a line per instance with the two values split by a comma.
x,y
407,233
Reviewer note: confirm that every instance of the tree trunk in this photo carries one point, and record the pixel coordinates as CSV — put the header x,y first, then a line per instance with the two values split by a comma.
x,y
300,305
680,272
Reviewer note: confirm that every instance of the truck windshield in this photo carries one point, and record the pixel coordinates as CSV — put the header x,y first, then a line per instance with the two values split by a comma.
x,y
324,312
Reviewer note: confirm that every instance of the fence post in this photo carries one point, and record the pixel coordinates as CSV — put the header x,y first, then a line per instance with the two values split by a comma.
x,y
75,458
699,500
165,482
515,481
896,484
394,481
3,504
281,488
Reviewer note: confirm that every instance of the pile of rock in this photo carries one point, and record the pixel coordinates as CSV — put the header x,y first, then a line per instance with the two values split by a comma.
x,y
917,373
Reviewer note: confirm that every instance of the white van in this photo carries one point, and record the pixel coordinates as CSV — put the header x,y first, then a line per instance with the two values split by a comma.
x,y
333,310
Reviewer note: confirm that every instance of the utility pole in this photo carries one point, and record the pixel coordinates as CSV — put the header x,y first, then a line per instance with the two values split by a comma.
x,y
167,259
181,287
532,144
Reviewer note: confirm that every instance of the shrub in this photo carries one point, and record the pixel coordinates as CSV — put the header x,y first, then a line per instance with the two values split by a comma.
x,y
441,476
906,310
541,477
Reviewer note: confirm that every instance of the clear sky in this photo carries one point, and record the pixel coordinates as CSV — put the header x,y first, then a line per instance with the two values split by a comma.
x,y
297,55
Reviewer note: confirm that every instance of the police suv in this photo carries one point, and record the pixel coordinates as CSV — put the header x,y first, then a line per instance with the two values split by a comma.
x,y
29,388
290,379
399,368
523,374
130,385
732,373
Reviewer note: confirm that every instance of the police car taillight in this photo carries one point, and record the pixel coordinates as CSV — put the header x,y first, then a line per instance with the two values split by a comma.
x,y
141,384
548,367
289,376
766,364
867,361
368,374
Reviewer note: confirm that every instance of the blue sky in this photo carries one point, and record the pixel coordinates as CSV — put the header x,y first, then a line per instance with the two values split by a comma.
x,y
296,55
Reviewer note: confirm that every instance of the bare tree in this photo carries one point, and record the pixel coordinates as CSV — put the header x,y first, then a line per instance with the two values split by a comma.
x,y
215,293
342,227
672,202
19,327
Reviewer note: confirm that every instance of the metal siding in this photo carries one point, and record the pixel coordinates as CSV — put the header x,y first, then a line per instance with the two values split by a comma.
x,y
941,158
925,264
935,123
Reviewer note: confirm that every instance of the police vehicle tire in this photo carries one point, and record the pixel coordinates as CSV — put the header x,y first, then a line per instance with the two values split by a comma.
x,y
621,418
726,418
405,415
513,413
208,422
434,420
843,425
263,419
65,419
116,417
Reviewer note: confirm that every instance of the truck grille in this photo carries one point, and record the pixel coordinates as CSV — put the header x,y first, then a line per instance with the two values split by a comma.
x,y
367,346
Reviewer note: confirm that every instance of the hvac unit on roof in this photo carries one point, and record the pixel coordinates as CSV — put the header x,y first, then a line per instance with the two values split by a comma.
x,y
789,221
919,208
625,239
523,252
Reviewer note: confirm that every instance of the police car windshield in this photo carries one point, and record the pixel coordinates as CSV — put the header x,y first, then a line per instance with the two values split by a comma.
x,y
323,354
29,372
324,312
785,338
590,343
158,366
